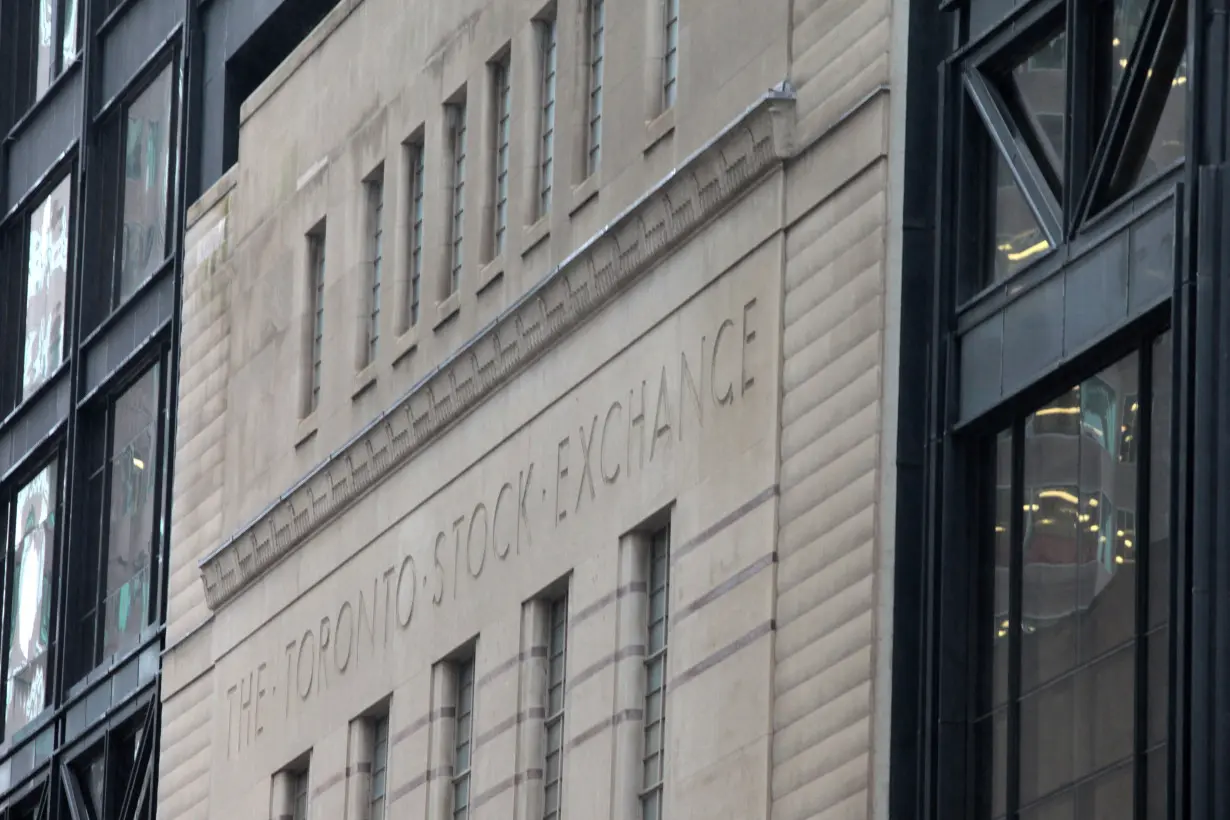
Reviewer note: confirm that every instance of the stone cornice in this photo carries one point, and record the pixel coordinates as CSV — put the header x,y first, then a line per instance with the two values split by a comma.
x,y
703,186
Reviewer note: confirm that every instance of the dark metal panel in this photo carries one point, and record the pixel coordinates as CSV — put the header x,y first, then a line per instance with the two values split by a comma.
x,y
43,140
982,357
1033,334
37,421
134,37
1152,259
145,316
1096,295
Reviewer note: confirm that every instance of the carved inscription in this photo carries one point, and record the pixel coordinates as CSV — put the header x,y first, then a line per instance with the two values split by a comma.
x,y
610,443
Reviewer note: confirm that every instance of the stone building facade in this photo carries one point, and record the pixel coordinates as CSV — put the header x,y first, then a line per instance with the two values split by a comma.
x,y
537,413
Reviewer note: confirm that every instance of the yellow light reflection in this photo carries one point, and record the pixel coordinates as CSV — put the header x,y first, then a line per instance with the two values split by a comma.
x,y
1032,250
1063,495
1118,559
1057,411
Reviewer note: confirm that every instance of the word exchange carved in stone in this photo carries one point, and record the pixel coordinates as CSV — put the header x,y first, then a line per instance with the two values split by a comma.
x,y
619,440
704,186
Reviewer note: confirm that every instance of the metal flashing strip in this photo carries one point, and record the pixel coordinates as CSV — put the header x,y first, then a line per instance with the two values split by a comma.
x,y
688,198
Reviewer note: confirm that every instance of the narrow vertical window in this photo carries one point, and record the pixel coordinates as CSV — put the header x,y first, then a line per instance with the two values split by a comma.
x,y
380,767
55,42
503,109
46,282
375,211
462,740
416,233
546,149
316,291
655,678
597,54
28,597
670,58
457,114
147,142
301,795
557,645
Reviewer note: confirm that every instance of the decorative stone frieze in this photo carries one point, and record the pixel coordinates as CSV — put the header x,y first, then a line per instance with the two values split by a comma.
x,y
701,188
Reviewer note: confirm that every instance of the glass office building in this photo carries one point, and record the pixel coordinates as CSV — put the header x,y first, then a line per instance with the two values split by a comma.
x,y
1062,633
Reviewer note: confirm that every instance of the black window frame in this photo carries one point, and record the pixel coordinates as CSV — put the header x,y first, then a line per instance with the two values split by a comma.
x,y
102,291
980,444
91,527
14,262
52,453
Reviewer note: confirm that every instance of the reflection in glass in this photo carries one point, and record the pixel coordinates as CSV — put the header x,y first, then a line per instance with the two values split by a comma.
x,y
1041,80
46,279
1166,148
1080,587
25,691
146,163
68,42
45,65
1018,239
1127,16
131,520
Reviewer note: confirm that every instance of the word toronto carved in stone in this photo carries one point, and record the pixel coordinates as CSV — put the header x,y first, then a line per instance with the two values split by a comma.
x,y
613,441
707,183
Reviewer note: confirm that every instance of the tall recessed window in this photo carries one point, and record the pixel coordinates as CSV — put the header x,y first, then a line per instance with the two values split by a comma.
x,y
1074,647
463,739
546,125
416,234
115,572
654,757
28,594
133,472
142,241
375,251
380,769
557,645
597,59
46,284
300,810
55,41
457,130
670,56
503,114
316,326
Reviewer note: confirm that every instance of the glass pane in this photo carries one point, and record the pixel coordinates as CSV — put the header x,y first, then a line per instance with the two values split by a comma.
x,y
1051,562
1158,694
651,808
1108,796
653,707
1167,146
25,690
146,163
1156,784
95,782
45,63
1104,721
1000,627
130,546
1018,239
1041,81
1126,19
1159,489
992,739
1107,599
69,41
1046,745
46,279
